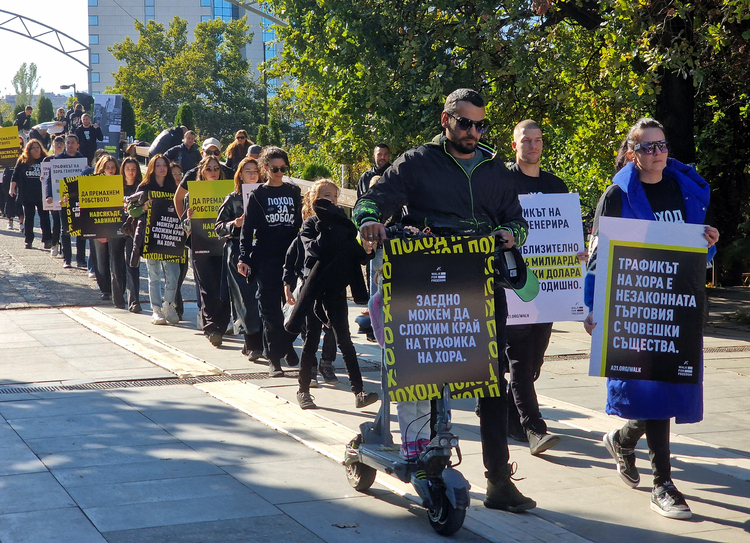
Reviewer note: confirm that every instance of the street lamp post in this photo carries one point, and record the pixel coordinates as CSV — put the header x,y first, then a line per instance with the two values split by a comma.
x,y
65,87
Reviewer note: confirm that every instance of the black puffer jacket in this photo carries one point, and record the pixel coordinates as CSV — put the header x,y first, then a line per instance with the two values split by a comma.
x,y
333,260
439,194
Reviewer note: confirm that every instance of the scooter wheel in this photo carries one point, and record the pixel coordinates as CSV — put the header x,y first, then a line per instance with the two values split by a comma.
x,y
360,476
444,518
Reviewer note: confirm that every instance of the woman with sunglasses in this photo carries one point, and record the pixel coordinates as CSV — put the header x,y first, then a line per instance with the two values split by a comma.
x,y
214,314
105,267
649,185
26,181
242,292
237,150
272,220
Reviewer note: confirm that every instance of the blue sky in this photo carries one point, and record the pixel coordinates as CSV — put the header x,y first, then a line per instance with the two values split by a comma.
x,y
55,69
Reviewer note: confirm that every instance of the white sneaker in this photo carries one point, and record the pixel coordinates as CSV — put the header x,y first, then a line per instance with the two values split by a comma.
x,y
158,317
55,251
92,275
10,223
170,312
21,226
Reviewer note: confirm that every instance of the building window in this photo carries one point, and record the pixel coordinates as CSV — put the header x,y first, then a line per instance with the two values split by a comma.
x,y
205,3
93,39
94,58
93,20
93,3
205,18
225,11
95,77
148,6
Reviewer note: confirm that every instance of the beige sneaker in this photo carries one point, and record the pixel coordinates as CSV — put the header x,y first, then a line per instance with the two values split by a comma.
x,y
170,312
158,317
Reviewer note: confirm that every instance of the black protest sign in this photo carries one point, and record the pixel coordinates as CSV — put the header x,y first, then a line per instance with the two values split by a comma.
x,y
439,317
206,198
100,200
70,207
654,313
165,238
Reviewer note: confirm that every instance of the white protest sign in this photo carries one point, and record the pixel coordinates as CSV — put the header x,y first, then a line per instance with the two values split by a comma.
x,y
247,190
555,238
60,168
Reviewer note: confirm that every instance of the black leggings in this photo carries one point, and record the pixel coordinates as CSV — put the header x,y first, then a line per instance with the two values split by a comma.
x,y
28,211
338,312
657,436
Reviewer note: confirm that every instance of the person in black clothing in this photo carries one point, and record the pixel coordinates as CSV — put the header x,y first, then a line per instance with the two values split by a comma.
x,y
185,154
272,218
27,181
11,207
23,119
330,241
88,134
167,138
58,146
126,278
71,151
457,184
528,342
73,117
211,147
237,150
242,292
382,157
215,312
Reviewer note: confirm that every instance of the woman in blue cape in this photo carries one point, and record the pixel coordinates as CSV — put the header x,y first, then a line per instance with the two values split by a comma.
x,y
651,186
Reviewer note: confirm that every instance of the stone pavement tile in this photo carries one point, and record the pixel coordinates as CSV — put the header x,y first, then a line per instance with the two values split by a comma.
x,y
162,490
126,437
302,480
152,372
273,529
116,456
84,340
78,425
8,436
62,406
68,524
384,517
92,361
32,492
168,468
167,397
46,369
104,350
16,458
17,340
169,513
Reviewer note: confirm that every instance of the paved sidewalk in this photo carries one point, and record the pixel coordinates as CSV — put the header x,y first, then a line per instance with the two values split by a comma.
x,y
175,462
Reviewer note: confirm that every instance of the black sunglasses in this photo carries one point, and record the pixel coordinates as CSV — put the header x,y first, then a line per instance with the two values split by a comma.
x,y
465,124
277,169
650,147
214,153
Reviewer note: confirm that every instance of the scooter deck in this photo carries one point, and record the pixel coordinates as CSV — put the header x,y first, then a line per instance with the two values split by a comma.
x,y
386,458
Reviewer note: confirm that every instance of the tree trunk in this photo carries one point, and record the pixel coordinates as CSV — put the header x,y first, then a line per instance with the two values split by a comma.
x,y
674,109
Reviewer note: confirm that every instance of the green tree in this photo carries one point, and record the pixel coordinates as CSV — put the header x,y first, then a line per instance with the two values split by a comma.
x,y
274,132
184,117
364,72
25,83
218,84
146,132
128,117
44,110
264,137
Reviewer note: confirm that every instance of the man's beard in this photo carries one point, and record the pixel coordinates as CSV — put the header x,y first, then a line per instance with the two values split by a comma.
x,y
461,144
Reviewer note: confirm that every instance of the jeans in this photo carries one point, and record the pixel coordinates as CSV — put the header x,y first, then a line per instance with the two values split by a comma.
x,y
526,347
171,273
657,436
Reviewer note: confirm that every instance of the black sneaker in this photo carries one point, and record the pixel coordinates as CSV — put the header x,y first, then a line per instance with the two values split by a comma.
x,y
538,442
328,373
215,338
255,356
274,370
28,245
363,399
292,358
515,430
305,400
669,502
625,459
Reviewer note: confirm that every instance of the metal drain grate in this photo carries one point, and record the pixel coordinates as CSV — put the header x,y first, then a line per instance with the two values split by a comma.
x,y
137,383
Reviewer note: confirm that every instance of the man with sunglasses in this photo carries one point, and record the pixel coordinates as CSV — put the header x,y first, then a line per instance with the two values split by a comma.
x,y
210,147
528,342
458,185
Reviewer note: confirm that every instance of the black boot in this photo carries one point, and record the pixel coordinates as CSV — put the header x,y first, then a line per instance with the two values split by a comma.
x,y
503,494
